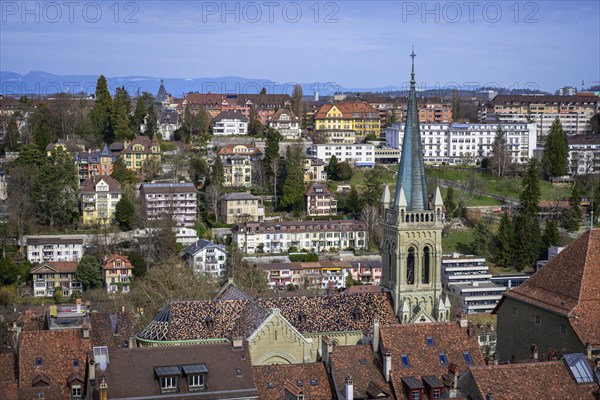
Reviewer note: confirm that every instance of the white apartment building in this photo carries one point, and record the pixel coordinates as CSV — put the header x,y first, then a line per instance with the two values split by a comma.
x,y
584,154
572,123
286,123
229,123
53,248
206,256
316,236
467,143
360,155
176,199
470,279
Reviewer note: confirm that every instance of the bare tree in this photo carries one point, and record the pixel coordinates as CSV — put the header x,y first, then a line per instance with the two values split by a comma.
x,y
259,175
21,208
275,168
213,192
500,156
369,214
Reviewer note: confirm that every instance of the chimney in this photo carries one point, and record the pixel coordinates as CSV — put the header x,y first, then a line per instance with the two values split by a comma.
x,y
349,388
78,303
238,343
463,321
91,369
387,365
375,342
470,330
588,350
534,352
85,329
122,309
131,343
103,390
326,350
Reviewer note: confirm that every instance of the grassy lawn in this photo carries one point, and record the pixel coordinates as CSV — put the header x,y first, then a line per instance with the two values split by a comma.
x,y
457,241
506,187
470,199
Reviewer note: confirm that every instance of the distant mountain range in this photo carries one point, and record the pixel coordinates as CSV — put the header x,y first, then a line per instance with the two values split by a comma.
x,y
43,83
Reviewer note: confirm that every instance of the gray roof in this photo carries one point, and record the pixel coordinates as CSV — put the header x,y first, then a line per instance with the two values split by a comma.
x,y
239,196
168,187
230,115
53,240
201,244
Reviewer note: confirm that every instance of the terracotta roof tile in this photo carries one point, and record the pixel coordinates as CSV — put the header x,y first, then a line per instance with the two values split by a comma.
x,y
89,185
110,262
60,266
314,382
541,380
424,358
363,365
569,285
55,355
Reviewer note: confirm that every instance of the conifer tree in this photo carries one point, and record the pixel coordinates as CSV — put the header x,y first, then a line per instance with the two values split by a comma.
x,y
574,214
531,192
121,114
505,241
151,122
102,112
138,115
556,151
482,240
217,173
550,237
293,187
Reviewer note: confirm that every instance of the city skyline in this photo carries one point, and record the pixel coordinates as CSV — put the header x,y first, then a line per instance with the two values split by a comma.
x,y
354,44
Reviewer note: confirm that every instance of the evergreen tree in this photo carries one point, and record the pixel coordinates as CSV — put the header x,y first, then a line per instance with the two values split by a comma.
x,y
121,115
531,192
353,202
122,174
139,115
550,237
39,125
151,122
102,112
373,187
293,187
30,156
255,127
556,151
332,168
56,190
124,213
11,142
344,171
505,241
217,173
89,272
596,202
574,214
482,240
523,250
271,150
450,201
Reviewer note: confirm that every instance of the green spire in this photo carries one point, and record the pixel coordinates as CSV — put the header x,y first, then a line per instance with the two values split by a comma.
x,y
411,174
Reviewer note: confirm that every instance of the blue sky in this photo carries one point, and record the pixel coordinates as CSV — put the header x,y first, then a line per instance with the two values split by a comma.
x,y
545,44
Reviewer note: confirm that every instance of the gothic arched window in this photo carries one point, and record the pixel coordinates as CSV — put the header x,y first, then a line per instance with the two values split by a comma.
x,y
426,265
410,266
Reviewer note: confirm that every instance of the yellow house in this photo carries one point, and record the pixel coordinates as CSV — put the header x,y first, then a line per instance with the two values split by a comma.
x,y
99,197
139,150
117,272
358,116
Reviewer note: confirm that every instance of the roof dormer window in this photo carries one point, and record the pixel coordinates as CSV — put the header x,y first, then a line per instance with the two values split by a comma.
x,y
168,378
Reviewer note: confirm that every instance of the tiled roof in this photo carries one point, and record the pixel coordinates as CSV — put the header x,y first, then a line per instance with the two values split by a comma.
x,y
201,244
89,185
60,266
302,226
539,380
230,115
364,366
311,379
144,141
312,190
229,371
8,367
112,329
281,111
109,263
51,355
53,240
168,187
424,358
189,320
239,196
228,149
348,109
364,289
257,100
230,291
568,285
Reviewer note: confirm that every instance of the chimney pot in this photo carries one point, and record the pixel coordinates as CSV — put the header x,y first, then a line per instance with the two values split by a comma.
x,y
349,388
387,365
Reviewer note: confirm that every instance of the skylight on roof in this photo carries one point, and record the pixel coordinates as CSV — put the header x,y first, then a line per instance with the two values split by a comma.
x,y
579,368
313,382
430,341
468,358
443,359
271,385
299,383
362,361
405,361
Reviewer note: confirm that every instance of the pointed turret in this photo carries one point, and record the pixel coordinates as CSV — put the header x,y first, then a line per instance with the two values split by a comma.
x,y
400,198
437,199
162,92
411,175
386,197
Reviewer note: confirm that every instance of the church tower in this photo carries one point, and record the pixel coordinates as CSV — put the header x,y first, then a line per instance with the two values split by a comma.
x,y
411,251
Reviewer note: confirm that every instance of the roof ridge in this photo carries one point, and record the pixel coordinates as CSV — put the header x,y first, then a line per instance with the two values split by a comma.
x,y
585,263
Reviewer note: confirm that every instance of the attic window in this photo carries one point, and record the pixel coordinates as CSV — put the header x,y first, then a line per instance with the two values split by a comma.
x,y
271,385
41,396
313,382
38,361
299,384
443,359
405,361
208,322
430,341
468,358
301,316
75,363
238,372
362,361
356,314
